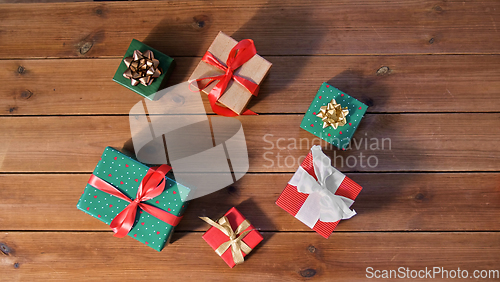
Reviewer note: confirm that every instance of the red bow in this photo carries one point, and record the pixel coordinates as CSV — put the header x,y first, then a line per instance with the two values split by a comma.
x,y
151,186
240,54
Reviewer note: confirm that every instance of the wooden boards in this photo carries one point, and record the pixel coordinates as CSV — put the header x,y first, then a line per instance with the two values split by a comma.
x,y
389,202
187,28
384,83
284,256
390,142
426,153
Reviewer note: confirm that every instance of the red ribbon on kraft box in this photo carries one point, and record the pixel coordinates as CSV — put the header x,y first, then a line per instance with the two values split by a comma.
x,y
240,54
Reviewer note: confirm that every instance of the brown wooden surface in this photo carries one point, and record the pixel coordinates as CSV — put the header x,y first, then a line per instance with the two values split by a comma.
x,y
298,27
418,142
428,70
282,256
389,202
452,83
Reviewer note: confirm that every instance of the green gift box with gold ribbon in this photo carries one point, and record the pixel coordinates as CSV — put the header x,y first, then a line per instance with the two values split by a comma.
x,y
135,199
333,116
143,69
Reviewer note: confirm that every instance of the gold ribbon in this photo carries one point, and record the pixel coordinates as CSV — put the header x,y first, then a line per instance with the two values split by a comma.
x,y
333,115
142,68
236,243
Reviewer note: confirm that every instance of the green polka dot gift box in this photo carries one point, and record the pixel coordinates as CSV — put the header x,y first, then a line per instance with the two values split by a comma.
x,y
333,116
146,203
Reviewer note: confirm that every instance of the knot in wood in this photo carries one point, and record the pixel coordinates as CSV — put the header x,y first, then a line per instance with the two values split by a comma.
x,y
383,70
26,94
21,70
200,22
419,196
308,272
178,99
86,47
438,9
4,249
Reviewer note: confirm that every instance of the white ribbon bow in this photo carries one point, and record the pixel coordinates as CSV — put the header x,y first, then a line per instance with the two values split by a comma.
x,y
322,203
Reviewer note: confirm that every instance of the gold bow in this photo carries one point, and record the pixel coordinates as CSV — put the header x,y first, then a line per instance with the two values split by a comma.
x,y
142,68
236,243
333,115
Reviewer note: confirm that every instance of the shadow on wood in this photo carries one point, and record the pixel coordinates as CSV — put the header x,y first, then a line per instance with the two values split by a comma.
x,y
166,29
362,87
281,23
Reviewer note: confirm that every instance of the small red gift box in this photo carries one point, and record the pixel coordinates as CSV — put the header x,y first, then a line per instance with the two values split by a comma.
x,y
216,238
326,203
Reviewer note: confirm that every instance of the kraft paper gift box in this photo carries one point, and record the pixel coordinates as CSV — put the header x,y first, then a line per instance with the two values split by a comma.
x,y
345,128
245,235
318,194
165,65
119,172
235,97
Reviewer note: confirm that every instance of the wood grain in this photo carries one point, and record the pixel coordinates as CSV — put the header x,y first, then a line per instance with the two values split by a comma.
x,y
431,200
41,1
186,28
388,202
410,84
389,142
280,257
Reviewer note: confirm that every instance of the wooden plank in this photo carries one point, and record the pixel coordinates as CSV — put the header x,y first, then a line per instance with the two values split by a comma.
x,y
411,84
388,202
299,27
280,257
389,142
41,1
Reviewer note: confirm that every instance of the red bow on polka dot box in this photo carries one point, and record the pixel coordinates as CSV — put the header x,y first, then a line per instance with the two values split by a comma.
x,y
318,194
333,116
134,199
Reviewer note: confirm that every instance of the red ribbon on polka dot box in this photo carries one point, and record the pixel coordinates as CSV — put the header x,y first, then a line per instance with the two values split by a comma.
x,y
318,194
113,189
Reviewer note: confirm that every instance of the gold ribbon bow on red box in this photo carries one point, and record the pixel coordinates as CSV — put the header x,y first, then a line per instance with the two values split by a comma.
x,y
235,241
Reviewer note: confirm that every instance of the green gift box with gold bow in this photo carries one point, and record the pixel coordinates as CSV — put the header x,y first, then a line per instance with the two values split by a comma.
x,y
333,116
135,199
144,70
